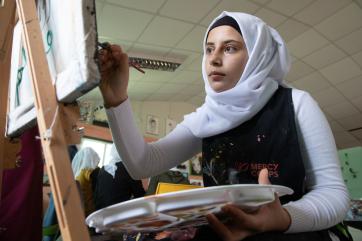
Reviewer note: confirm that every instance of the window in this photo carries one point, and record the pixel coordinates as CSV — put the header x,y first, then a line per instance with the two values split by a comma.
x,y
101,147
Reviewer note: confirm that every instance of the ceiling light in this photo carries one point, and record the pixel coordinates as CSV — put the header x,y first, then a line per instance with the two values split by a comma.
x,y
154,64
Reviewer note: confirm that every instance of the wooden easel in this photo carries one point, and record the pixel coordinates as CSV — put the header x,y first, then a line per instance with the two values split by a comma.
x,y
6,34
54,121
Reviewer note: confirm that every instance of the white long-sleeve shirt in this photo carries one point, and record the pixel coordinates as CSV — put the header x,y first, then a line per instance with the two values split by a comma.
x,y
324,205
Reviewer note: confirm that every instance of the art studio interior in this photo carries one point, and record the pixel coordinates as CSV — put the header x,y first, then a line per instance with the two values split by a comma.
x,y
123,120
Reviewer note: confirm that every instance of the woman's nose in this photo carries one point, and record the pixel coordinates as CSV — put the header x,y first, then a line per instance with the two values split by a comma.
x,y
215,59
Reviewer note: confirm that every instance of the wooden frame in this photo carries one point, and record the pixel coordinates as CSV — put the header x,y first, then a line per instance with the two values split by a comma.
x,y
103,133
55,127
97,132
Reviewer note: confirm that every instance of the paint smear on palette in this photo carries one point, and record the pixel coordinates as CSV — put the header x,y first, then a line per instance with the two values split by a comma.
x,y
175,211
196,222
152,223
194,212
174,219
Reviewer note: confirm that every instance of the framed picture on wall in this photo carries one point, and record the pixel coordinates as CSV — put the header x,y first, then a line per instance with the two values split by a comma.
x,y
170,125
85,109
195,165
152,126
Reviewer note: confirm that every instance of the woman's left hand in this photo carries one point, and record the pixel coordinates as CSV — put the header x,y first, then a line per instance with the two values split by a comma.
x,y
269,217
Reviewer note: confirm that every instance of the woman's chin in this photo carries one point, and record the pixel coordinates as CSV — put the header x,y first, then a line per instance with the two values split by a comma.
x,y
218,87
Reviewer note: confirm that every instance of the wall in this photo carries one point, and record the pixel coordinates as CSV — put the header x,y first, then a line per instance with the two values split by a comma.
x,y
351,163
161,110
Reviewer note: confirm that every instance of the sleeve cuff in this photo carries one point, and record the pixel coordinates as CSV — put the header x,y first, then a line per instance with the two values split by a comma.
x,y
300,219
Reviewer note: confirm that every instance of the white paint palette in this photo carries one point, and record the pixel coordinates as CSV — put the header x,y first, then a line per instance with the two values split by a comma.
x,y
180,209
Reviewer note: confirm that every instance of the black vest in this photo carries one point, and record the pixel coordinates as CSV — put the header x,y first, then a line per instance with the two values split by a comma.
x,y
268,140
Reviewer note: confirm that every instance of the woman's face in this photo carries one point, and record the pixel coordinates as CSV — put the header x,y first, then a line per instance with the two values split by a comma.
x,y
226,57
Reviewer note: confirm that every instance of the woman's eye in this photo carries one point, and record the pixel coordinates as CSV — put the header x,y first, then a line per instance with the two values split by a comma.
x,y
230,49
208,50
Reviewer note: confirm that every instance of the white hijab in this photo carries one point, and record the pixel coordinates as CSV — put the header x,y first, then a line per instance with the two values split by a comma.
x,y
268,64
115,158
85,158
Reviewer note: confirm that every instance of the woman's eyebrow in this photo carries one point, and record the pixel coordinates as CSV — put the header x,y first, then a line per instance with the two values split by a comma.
x,y
225,42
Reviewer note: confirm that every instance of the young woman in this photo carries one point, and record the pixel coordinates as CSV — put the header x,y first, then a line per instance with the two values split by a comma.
x,y
250,129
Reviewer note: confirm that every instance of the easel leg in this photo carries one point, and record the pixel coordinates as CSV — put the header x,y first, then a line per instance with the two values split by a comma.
x,y
7,18
66,197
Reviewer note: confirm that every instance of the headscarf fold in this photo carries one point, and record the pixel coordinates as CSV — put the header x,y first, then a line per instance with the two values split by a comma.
x,y
111,167
85,158
267,66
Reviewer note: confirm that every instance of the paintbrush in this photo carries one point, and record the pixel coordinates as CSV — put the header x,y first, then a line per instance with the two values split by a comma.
x,y
107,47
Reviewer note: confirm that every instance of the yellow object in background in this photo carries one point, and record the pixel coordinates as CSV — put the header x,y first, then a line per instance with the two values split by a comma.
x,y
163,187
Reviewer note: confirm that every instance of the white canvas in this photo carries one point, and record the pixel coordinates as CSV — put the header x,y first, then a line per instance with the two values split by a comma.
x,y
70,42
22,114
69,35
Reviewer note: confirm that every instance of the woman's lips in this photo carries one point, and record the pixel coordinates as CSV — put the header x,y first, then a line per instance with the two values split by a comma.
x,y
216,76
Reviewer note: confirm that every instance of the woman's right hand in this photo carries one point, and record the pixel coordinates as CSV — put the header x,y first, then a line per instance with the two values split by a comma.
x,y
114,75
269,217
